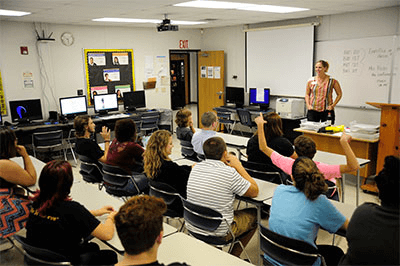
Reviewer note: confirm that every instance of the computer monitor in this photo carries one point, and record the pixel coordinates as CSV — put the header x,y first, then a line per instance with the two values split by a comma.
x,y
24,111
234,95
259,97
104,103
134,99
73,106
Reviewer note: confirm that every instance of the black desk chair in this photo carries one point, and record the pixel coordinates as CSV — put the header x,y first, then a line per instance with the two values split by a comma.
x,y
209,220
224,118
39,256
115,179
245,118
187,151
263,172
71,140
90,171
48,139
171,197
286,250
149,121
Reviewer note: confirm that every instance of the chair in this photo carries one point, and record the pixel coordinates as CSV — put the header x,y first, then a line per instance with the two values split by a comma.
x,y
224,117
115,180
286,250
187,151
263,172
90,171
39,256
245,118
149,121
71,143
171,197
49,139
209,220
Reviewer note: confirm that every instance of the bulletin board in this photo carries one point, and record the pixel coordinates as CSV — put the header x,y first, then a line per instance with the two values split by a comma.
x,y
109,71
3,106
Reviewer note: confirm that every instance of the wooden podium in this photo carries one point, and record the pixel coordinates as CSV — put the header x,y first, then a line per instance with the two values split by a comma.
x,y
389,136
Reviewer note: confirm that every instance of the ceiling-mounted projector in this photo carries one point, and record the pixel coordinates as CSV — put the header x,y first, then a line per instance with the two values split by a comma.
x,y
166,26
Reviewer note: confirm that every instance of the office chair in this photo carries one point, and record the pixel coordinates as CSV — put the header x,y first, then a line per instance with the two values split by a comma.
x,y
149,121
49,139
209,220
224,118
71,143
187,151
39,256
171,197
90,171
245,118
263,172
115,180
286,250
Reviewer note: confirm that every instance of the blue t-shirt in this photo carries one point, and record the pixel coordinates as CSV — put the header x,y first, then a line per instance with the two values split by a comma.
x,y
295,216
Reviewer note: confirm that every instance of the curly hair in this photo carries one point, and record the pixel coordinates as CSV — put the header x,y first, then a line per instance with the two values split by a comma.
x,y
55,184
80,122
125,130
308,178
7,144
305,146
182,117
139,222
155,152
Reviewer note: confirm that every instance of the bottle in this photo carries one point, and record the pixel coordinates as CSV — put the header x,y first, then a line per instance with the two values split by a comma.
x,y
329,118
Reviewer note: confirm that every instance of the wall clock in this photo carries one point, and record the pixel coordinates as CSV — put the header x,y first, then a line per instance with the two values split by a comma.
x,y
67,38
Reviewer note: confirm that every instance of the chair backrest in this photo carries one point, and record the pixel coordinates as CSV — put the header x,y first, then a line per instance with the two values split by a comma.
x,y
286,250
244,117
40,256
170,196
48,139
262,171
71,136
186,147
201,217
149,120
223,116
89,170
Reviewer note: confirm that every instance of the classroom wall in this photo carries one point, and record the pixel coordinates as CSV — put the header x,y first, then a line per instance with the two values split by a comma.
x,y
373,23
65,65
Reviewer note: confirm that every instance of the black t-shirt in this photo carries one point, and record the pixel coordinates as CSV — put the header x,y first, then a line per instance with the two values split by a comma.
x,y
174,175
278,144
156,263
373,236
62,229
88,148
184,133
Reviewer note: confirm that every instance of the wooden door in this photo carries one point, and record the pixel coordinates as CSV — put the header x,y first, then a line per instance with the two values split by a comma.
x,y
211,67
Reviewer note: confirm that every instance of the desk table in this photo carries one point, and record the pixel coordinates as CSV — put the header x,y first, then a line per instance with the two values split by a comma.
x,y
363,148
180,247
38,164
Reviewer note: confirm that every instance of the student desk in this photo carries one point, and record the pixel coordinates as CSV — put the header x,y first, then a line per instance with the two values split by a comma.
x,y
363,148
180,247
38,164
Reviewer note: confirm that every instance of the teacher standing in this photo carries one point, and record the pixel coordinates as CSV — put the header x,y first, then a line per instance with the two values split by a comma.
x,y
319,94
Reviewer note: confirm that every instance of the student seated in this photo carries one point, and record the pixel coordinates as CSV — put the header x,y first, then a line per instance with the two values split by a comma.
x,y
274,135
159,167
139,224
185,129
210,124
58,223
14,206
305,146
213,183
373,232
85,145
299,211
124,151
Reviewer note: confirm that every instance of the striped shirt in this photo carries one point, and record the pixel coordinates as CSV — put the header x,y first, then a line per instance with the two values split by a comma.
x,y
213,184
321,96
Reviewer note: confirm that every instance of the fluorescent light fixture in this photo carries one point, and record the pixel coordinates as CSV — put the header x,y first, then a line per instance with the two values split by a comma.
x,y
13,13
240,6
139,20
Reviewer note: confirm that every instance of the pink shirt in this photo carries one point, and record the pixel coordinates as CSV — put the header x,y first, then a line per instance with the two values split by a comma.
x,y
330,172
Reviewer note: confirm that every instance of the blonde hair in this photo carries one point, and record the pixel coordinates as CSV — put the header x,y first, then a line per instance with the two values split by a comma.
x,y
155,152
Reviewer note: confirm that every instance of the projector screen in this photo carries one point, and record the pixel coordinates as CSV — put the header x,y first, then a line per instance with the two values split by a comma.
x,y
280,59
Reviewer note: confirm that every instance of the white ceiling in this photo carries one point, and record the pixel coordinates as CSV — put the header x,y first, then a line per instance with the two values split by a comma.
x,y
81,12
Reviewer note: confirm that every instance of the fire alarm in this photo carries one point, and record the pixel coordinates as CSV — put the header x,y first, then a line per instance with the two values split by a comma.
x,y
24,50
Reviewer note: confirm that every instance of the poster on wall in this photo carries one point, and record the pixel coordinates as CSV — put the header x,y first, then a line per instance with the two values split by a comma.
x,y
108,71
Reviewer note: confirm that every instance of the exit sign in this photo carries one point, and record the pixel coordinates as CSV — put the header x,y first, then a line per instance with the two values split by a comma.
x,y
184,44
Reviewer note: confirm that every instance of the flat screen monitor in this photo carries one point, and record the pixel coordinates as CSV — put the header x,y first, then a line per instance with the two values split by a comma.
x,y
24,111
234,95
73,106
259,97
104,103
134,99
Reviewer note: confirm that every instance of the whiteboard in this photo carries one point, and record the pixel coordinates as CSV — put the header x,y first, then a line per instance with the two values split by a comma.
x,y
280,59
364,68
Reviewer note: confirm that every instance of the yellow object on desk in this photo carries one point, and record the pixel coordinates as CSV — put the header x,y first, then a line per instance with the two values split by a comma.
x,y
336,128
